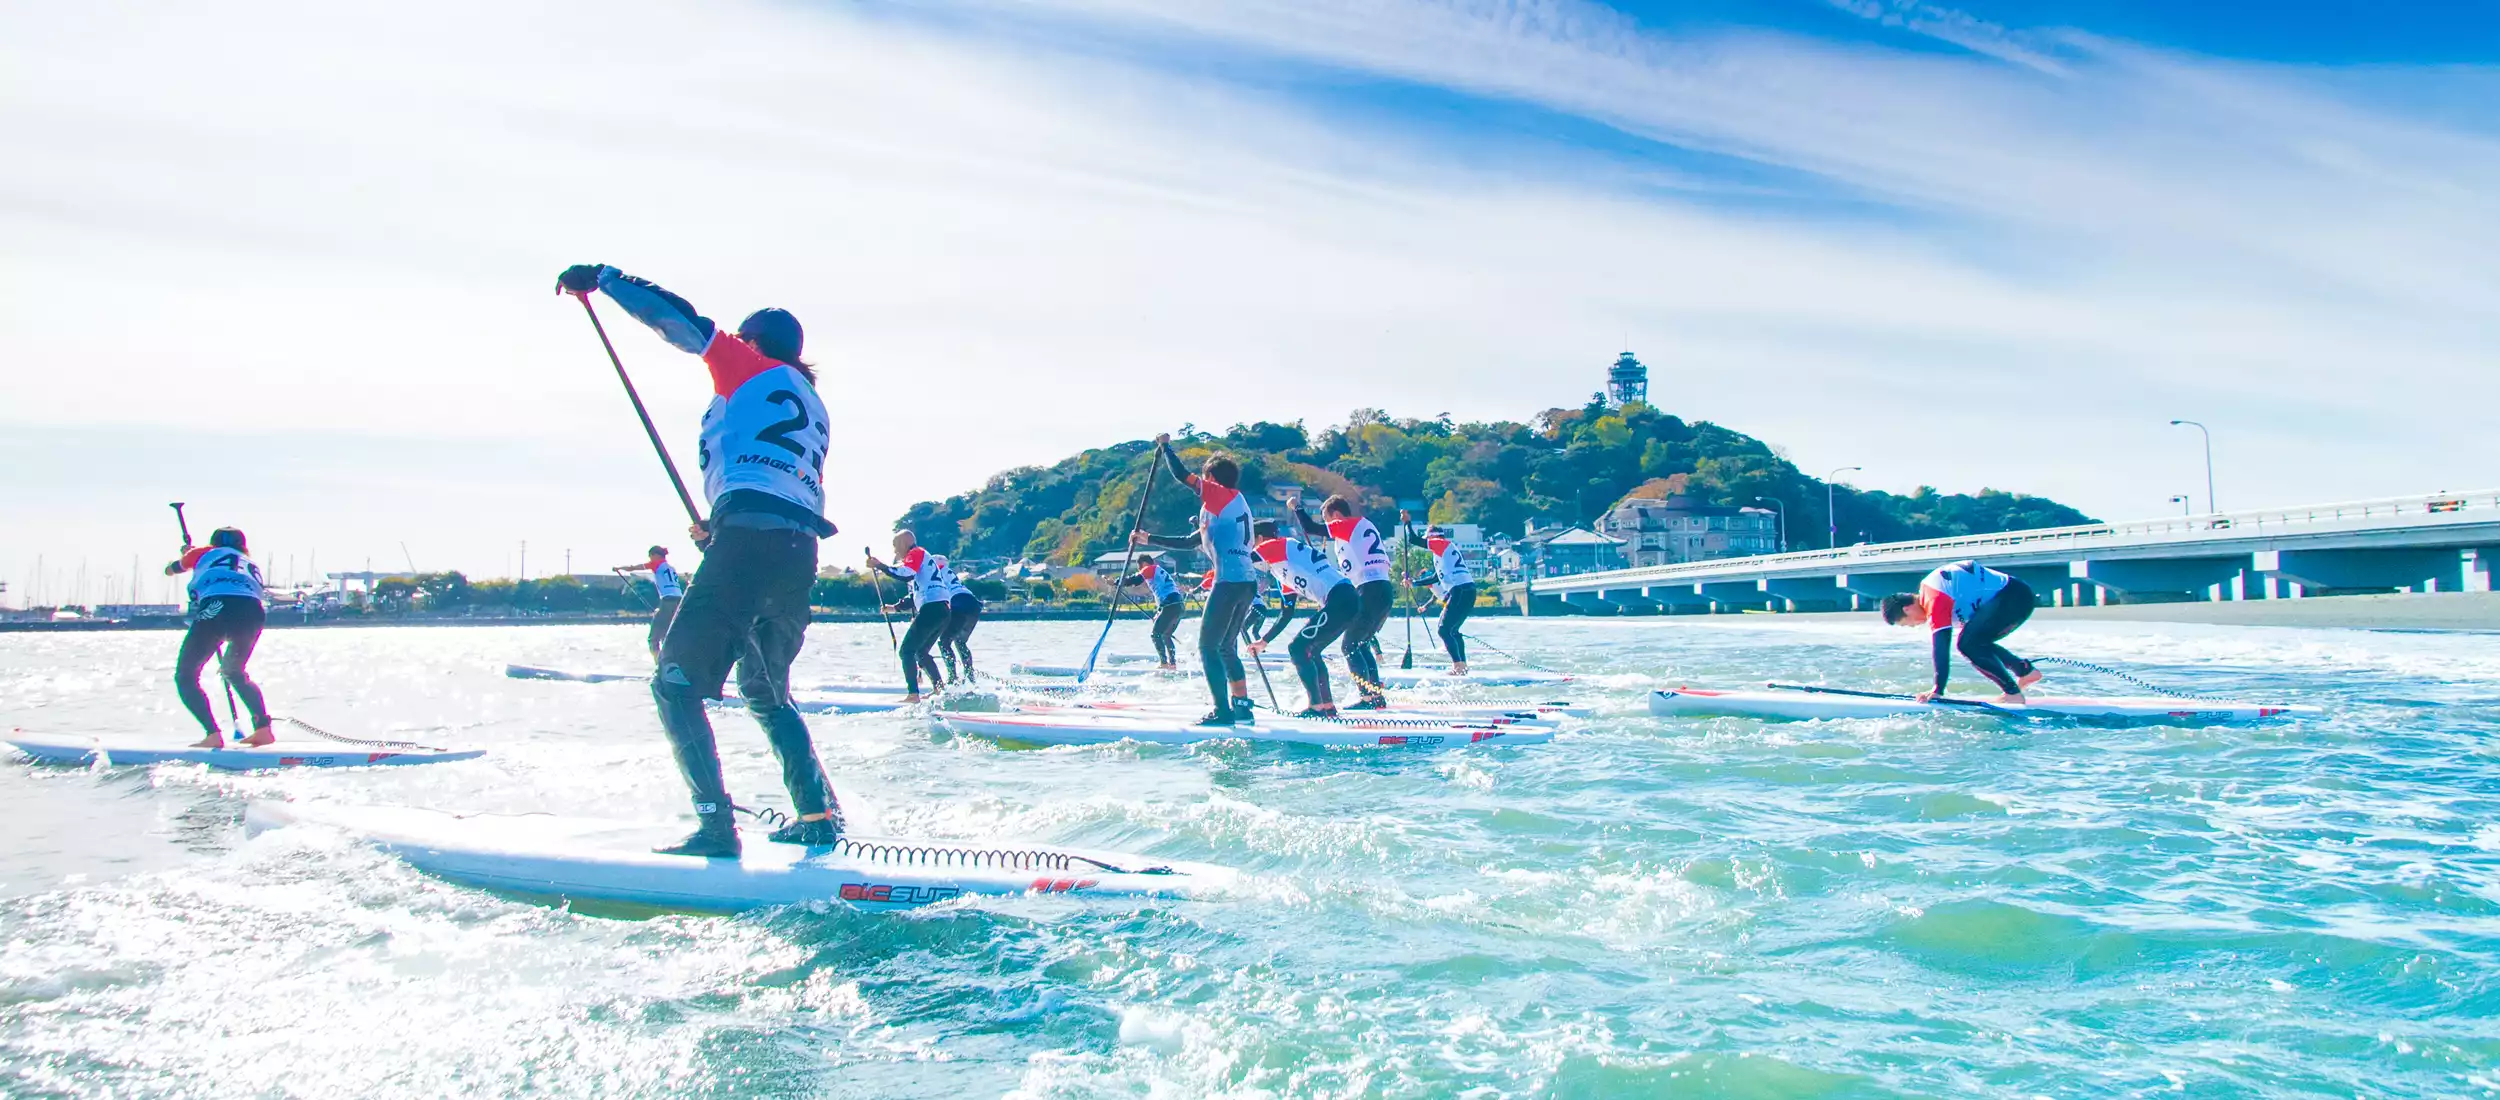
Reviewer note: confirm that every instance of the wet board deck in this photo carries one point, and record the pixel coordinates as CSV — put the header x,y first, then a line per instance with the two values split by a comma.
x,y
579,859
1803,705
1062,728
116,752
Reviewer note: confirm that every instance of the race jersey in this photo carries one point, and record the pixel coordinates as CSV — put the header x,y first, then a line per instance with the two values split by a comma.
x,y
1359,552
932,581
221,571
1159,581
666,580
955,586
1449,567
763,444
1224,530
1955,591
1298,567
765,430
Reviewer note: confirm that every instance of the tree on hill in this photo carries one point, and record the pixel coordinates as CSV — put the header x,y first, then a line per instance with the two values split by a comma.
x,y
1568,466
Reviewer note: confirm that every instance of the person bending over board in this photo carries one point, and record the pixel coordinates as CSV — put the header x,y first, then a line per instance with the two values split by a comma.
x,y
928,586
1223,535
763,461
1987,605
1168,607
1455,586
963,612
668,586
1365,561
226,619
1295,562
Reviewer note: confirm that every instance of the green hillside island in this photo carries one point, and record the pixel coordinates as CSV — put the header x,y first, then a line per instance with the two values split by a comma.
x,y
1568,468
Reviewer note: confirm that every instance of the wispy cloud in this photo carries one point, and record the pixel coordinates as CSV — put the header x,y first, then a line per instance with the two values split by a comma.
x,y
1009,243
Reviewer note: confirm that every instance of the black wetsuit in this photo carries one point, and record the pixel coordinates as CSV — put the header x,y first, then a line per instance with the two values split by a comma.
x,y
963,612
1374,601
927,625
1307,649
1995,617
231,624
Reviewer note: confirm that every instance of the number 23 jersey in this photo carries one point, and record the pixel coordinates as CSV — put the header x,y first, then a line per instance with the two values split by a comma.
x,y
767,433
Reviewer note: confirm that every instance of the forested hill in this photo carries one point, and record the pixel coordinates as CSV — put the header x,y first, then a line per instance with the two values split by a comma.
x,y
1570,466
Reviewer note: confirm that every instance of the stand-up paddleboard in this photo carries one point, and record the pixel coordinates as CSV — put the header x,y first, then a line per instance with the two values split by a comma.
x,y
1482,677
1491,716
284,754
582,860
1351,733
1828,703
526,672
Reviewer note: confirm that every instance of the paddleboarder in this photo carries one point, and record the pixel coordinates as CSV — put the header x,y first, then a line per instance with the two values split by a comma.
x,y
1364,560
963,613
1987,605
668,586
763,456
927,587
1223,536
1168,607
1454,584
1296,563
227,614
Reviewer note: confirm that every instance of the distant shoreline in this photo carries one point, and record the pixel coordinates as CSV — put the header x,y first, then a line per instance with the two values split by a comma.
x,y
2457,612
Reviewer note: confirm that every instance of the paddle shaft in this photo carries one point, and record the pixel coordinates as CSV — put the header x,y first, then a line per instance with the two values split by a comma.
x,y
1406,537
648,429
1119,587
893,642
185,522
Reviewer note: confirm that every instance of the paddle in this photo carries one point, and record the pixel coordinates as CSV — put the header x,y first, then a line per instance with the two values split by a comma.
x,y
1136,524
234,714
648,429
1974,704
892,642
1406,536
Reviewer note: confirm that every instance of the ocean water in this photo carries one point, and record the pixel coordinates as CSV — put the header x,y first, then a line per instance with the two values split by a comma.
x,y
1645,907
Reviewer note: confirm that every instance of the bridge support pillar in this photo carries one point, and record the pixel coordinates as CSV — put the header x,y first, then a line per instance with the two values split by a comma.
x,y
1590,603
1677,599
1876,586
1807,593
2477,563
1734,595
1630,601
2149,579
2425,570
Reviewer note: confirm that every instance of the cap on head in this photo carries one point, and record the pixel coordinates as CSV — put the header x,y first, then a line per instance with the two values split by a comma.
x,y
229,537
775,333
658,551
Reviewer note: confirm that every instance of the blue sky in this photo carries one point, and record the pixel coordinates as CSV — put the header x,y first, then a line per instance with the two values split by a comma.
x,y
1970,245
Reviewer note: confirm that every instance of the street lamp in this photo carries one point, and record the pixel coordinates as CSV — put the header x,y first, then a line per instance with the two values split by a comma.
x,y
1829,513
2182,501
1783,514
2210,506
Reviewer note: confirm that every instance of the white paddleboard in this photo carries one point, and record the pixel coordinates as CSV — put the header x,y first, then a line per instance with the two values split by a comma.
x,y
1809,705
584,860
1482,677
1106,728
1491,716
284,754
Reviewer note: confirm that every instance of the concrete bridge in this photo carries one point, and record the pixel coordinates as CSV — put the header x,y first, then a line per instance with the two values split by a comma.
x,y
2439,542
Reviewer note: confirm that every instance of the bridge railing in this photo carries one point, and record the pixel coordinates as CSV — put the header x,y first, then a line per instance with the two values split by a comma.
x,y
2224,525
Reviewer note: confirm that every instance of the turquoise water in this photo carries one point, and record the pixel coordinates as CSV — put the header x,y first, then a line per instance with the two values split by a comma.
x,y
1866,908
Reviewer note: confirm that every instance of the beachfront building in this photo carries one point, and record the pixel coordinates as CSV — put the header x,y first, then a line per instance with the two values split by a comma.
x,y
1562,551
1664,531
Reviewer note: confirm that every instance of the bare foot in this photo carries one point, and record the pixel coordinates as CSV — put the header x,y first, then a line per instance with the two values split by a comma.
x,y
2011,699
212,741
2029,678
261,737
1458,670
914,697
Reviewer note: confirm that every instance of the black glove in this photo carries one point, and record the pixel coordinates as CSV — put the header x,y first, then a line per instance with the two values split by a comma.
x,y
580,278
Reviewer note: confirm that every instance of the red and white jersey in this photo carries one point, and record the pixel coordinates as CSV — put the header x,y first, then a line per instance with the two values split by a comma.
x,y
666,580
765,430
1296,566
1449,567
932,580
1952,593
1224,530
220,571
1360,555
